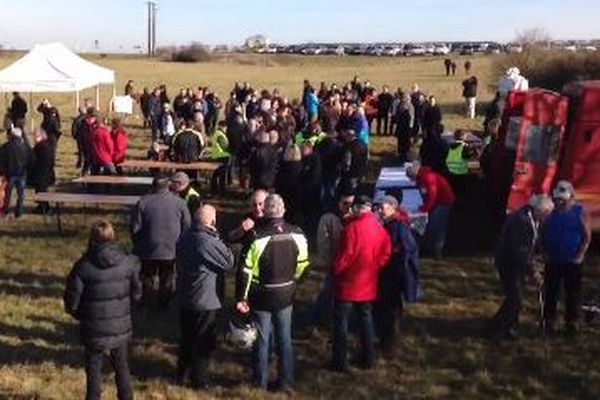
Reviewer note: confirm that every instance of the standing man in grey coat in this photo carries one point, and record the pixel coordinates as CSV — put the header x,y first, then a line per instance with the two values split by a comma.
x,y
514,259
157,223
201,259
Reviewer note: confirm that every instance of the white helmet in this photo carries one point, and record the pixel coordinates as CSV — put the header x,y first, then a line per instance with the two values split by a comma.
x,y
241,334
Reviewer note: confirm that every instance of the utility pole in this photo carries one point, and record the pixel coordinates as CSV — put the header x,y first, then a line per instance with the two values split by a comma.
x,y
151,28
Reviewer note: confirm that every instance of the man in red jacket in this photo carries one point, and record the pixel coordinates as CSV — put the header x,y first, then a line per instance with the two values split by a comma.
x,y
365,248
438,198
102,150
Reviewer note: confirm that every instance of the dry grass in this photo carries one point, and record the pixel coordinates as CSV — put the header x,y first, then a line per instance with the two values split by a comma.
x,y
440,354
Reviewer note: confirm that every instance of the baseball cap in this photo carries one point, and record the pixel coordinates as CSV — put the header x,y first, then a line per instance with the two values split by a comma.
x,y
563,190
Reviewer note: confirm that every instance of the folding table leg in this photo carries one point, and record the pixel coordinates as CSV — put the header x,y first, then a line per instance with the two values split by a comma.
x,y
58,221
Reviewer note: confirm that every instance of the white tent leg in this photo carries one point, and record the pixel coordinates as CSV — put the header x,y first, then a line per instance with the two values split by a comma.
x,y
31,111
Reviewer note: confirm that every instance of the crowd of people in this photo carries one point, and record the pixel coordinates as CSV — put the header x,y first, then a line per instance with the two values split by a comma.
x,y
305,164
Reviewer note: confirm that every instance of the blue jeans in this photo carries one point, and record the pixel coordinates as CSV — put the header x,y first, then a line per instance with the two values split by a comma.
x,y
18,183
340,333
435,235
323,304
281,320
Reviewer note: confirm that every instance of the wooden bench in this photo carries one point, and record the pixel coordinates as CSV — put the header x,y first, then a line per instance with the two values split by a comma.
x,y
82,198
203,166
115,180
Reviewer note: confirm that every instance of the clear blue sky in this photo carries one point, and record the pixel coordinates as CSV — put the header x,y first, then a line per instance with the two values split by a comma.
x,y
121,24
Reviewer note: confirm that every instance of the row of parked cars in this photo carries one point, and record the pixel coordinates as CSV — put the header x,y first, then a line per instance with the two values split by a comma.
x,y
389,50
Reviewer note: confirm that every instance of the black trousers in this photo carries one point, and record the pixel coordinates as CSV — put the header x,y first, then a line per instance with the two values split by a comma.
x,y
383,120
198,341
570,275
119,359
386,311
166,284
507,316
403,142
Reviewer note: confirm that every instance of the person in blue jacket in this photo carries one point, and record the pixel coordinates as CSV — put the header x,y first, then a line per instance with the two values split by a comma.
x,y
361,126
311,103
399,280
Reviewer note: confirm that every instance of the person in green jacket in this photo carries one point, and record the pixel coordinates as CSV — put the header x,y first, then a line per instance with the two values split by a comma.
x,y
219,152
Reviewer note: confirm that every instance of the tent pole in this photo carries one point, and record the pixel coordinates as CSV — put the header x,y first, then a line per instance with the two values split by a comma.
x,y
31,110
76,101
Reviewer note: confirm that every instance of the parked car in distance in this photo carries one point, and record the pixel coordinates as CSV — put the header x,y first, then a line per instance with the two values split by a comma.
x,y
391,51
512,48
414,50
441,50
493,48
467,50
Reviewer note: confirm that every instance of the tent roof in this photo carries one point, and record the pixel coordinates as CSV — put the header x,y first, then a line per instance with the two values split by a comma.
x,y
52,67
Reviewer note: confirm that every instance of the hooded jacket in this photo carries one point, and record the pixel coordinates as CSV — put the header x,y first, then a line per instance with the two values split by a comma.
x,y
201,258
99,292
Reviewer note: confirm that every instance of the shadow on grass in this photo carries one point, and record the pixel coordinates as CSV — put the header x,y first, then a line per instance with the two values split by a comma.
x,y
31,285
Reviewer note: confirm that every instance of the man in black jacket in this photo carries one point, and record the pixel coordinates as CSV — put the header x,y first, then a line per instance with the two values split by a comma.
x,y
514,259
276,259
201,260
99,292
158,221
264,161
16,157
384,106
187,145
18,108
42,173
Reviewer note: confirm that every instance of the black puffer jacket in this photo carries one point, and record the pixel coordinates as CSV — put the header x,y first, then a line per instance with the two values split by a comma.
x,y
99,291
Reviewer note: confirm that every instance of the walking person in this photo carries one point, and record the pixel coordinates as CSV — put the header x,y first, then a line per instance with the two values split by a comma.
x,y
566,236
276,259
447,65
514,259
202,258
364,249
157,223
100,289
470,95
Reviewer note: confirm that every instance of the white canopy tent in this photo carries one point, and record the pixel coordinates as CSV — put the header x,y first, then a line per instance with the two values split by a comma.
x,y
53,67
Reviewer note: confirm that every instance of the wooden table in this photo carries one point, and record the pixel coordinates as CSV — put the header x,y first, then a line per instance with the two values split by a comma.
x,y
83,198
115,180
205,166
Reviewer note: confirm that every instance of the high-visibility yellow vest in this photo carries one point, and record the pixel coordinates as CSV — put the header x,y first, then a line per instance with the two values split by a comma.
x,y
191,193
315,139
455,162
218,149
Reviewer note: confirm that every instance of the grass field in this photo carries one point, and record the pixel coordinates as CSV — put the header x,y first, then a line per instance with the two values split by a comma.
x,y
440,355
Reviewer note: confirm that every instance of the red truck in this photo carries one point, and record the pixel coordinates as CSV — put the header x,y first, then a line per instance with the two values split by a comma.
x,y
554,136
